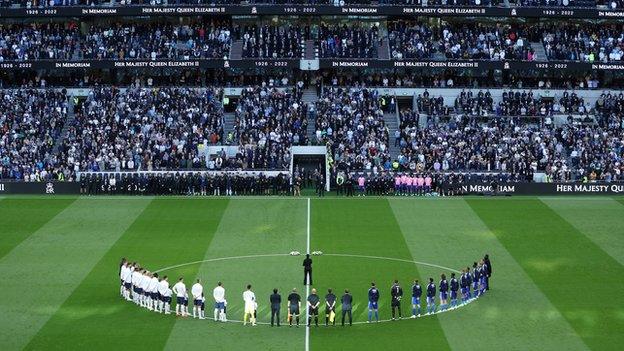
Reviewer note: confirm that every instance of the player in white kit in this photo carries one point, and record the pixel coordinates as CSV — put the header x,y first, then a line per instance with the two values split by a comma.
x,y
180,290
197,290
165,295
219,309
250,306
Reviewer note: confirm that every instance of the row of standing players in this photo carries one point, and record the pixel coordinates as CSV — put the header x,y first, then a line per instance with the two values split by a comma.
x,y
201,184
176,183
147,290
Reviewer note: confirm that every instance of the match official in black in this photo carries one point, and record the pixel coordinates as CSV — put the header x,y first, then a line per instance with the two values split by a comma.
x,y
276,301
397,293
347,306
313,307
307,270
330,308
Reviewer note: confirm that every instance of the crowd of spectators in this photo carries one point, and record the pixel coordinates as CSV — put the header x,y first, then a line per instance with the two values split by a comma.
x,y
596,152
586,42
141,128
270,41
168,128
513,103
414,39
471,104
408,39
65,41
30,122
488,42
345,41
460,145
268,121
212,38
563,152
351,123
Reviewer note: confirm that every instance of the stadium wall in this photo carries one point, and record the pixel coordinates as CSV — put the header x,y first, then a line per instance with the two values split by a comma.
x,y
73,188
39,188
543,189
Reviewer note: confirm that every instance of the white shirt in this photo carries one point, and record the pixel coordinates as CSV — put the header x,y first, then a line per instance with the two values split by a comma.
x,y
179,289
126,274
136,278
250,298
163,286
153,285
145,282
197,291
219,294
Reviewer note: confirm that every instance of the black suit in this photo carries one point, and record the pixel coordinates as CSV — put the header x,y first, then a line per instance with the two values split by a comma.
x,y
307,271
488,271
276,301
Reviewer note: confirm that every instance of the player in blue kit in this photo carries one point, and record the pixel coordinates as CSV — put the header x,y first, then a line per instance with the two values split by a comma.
x,y
454,289
444,287
463,284
431,292
482,278
476,277
469,281
416,294
373,303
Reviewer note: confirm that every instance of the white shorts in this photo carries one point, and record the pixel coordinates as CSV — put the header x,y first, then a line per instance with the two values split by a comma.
x,y
250,308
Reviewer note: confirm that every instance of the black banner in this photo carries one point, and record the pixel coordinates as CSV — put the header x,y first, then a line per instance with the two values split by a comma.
x,y
321,10
323,63
108,64
40,188
470,64
542,189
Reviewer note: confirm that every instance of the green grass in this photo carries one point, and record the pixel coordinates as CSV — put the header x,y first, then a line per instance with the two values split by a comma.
x,y
556,285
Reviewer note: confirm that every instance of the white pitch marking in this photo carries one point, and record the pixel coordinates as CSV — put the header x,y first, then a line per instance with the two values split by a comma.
x,y
324,254
308,287
307,334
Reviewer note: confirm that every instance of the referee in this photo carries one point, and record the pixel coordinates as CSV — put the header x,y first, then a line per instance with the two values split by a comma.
x,y
307,270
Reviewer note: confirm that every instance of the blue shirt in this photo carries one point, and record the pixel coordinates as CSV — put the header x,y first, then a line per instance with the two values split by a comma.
x,y
431,290
443,285
373,295
416,290
464,280
454,284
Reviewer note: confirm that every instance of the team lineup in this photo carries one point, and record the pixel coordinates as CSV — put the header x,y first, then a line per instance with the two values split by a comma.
x,y
147,289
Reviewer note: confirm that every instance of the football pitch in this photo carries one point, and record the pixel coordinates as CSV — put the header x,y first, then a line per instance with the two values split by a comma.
x,y
557,282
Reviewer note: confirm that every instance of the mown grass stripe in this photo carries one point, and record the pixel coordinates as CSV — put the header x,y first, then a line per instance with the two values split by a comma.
x,y
44,269
20,218
268,227
366,228
580,279
597,222
166,232
515,307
